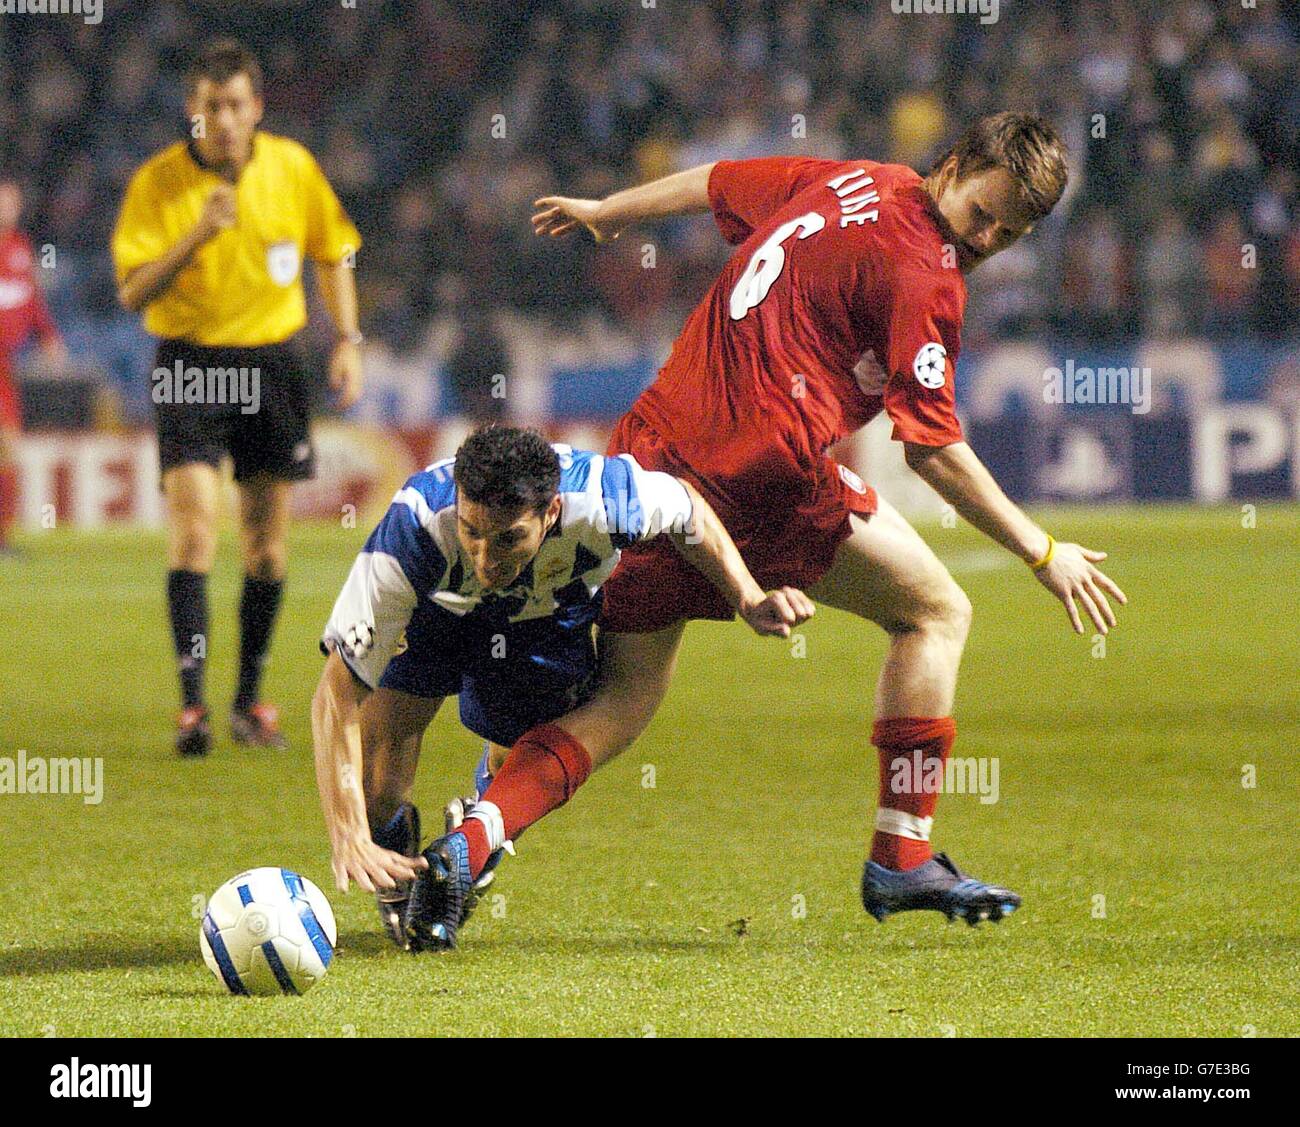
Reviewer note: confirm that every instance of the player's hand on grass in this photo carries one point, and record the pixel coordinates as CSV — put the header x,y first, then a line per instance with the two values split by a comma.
x,y
345,374
370,865
218,211
1073,577
778,612
558,215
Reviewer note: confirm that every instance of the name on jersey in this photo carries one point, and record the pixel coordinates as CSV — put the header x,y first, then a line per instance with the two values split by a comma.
x,y
855,194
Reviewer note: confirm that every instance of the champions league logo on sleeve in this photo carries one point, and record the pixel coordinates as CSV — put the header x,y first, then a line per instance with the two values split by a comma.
x,y
930,365
360,639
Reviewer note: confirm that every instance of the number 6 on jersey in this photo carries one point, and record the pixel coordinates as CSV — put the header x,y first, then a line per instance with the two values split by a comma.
x,y
768,262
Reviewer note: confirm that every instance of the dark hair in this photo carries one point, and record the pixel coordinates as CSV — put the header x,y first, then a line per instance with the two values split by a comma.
x,y
222,59
507,468
1024,144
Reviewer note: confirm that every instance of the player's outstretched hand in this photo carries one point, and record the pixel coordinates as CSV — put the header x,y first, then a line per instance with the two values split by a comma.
x,y
370,866
558,215
778,612
1073,576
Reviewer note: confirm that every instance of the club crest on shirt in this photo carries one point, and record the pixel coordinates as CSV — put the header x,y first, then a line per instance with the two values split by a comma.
x,y
930,365
869,374
282,263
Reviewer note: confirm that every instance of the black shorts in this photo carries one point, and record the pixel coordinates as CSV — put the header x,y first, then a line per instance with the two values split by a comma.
x,y
251,403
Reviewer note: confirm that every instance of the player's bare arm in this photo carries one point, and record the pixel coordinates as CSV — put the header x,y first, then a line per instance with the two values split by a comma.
x,y
682,193
339,292
708,547
147,282
1069,571
336,734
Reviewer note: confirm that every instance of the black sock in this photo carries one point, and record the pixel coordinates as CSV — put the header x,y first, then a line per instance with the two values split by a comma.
x,y
187,605
257,609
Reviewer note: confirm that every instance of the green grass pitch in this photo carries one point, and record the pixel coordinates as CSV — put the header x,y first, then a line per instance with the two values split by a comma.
x,y
1160,891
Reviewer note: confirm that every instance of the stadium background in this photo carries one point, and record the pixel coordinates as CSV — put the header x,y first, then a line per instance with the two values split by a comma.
x,y
1177,247
1149,781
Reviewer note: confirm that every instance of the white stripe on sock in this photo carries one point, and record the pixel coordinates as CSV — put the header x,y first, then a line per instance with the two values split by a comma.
x,y
902,824
495,826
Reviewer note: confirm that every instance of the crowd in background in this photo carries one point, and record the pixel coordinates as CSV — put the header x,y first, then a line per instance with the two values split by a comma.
x,y
1183,119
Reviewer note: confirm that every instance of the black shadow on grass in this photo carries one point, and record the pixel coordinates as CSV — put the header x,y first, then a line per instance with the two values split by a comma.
x,y
369,944
189,994
97,952
596,944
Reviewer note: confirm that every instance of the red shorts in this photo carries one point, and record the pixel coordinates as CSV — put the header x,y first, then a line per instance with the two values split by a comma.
x,y
786,510
11,414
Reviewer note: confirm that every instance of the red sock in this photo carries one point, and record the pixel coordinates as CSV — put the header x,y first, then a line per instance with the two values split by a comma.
x,y
8,501
542,771
913,750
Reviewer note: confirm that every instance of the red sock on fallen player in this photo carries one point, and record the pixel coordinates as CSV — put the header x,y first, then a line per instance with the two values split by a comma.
x,y
543,770
913,751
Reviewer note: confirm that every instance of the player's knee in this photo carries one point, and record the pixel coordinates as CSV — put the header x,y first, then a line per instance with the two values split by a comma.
x,y
638,709
194,545
943,611
266,559
952,613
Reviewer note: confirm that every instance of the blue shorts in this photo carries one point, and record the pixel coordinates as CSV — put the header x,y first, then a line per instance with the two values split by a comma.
x,y
509,677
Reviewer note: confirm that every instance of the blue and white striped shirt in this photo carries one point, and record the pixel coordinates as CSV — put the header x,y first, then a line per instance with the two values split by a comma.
x,y
414,555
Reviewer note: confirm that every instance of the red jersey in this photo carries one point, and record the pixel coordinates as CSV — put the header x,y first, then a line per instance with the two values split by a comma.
x,y
841,300
22,305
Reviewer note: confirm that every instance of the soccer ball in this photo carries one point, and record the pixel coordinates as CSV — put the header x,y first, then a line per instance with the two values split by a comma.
x,y
268,931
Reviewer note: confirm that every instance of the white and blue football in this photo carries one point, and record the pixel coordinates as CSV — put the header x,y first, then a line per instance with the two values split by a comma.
x,y
268,931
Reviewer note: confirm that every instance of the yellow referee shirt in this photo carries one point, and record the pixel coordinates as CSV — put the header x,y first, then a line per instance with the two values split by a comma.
x,y
244,286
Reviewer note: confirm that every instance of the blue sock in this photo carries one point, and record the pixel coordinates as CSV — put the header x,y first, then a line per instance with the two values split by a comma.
x,y
482,776
395,834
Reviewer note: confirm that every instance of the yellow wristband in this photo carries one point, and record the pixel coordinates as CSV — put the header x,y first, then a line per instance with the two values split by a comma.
x,y
1047,556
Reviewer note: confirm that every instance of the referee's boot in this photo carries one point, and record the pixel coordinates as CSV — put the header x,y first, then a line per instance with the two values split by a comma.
x,y
193,732
257,726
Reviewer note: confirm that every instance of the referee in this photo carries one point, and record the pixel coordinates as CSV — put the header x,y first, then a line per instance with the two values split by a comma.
x,y
209,245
